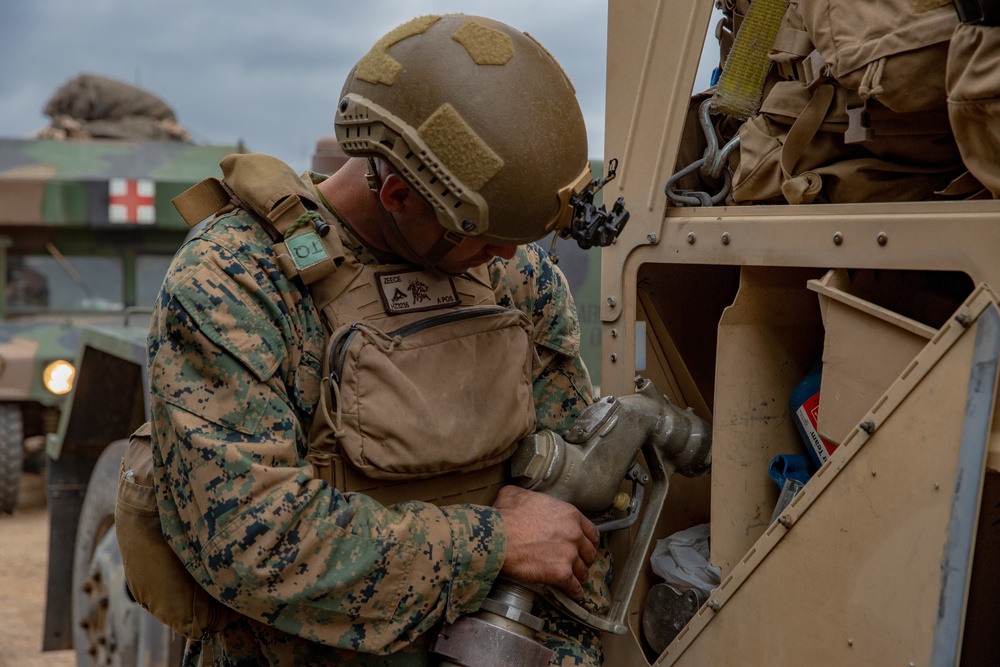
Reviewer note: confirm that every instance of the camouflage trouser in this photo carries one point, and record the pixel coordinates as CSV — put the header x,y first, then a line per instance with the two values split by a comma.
x,y
246,643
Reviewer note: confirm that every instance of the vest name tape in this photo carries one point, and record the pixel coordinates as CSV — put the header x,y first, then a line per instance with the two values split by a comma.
x,y
409,291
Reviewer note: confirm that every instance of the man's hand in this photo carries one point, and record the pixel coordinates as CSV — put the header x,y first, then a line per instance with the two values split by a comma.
x,y
548,541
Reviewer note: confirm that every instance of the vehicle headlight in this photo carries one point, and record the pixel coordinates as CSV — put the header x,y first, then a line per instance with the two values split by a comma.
x,y
58,377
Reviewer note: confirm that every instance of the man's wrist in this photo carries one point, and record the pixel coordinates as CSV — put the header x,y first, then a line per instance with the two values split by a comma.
x,y
479,545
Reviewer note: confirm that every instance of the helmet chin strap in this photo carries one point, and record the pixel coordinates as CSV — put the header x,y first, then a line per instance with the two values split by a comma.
x,y
441,247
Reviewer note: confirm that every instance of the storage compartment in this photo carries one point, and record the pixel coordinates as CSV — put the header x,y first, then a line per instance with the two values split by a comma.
x,y
767,340
876,322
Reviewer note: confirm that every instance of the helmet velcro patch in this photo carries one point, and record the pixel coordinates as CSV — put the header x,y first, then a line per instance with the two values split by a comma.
x,y
458,146
485,45
377,66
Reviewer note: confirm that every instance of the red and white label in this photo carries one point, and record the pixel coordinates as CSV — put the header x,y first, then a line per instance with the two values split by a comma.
x,y
132,201
808,415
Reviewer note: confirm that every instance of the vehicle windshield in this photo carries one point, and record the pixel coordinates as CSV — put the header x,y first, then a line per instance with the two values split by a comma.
x,y
80,283
57,283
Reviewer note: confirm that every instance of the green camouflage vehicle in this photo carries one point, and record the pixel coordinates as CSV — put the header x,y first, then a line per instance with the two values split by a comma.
x,y
86,233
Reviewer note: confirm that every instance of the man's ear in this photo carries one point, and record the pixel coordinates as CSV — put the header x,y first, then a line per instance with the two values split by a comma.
x,y
395,193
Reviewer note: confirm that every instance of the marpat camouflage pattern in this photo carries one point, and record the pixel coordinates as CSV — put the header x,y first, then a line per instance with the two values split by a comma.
x,y
320,577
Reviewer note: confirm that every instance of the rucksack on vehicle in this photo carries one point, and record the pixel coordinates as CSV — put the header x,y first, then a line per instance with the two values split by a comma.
x,y
855,107
973,80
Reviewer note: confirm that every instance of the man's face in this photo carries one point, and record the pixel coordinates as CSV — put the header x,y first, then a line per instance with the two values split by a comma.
x,y
424,230
471,253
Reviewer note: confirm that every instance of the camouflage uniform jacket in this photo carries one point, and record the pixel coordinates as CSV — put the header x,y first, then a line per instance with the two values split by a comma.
x,y
234,369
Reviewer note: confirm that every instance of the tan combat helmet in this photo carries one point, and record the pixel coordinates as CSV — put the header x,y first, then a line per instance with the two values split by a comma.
x,y
476,116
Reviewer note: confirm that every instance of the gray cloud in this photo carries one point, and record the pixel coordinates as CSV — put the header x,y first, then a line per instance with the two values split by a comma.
x,y
266,72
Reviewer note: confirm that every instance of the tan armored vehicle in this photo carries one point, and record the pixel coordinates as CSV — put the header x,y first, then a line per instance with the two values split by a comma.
x,y
888,554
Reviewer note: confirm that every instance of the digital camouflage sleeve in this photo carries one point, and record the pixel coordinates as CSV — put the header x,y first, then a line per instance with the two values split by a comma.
x,y
234,369
534,285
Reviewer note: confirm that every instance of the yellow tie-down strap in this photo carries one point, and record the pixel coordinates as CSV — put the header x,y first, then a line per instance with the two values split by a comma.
x,y
739,89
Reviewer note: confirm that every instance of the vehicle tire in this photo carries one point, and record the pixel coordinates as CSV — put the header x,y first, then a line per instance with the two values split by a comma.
x,y
11,455
109,626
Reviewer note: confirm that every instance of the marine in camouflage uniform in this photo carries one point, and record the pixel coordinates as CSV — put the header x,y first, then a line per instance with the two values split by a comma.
x,y
317,575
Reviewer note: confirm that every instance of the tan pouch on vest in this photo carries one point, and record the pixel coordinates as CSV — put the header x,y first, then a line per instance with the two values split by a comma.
x,y
155,575
392,398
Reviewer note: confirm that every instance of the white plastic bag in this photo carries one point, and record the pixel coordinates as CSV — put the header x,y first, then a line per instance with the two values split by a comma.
x,y
683,561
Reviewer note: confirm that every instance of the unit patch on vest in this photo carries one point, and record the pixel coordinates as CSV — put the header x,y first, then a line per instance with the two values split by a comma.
x,y
306,249
412,291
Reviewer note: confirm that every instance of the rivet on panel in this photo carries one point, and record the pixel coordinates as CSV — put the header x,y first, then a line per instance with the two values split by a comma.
x,y
838,238
714,604
725,238
614,333
691,238
614,357
882,238
612,302
652,239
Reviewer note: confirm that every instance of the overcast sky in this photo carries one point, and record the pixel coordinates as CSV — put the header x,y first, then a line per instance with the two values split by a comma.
x,y
263,71
267,72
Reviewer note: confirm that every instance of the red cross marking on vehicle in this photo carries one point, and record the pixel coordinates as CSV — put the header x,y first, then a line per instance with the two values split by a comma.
x,y
131,200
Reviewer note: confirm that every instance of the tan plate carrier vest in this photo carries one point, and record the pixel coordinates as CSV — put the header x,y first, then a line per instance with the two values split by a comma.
x,y
396,382
370,432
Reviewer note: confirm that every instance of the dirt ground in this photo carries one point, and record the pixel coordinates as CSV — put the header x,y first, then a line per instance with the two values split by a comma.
x,y
24,547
